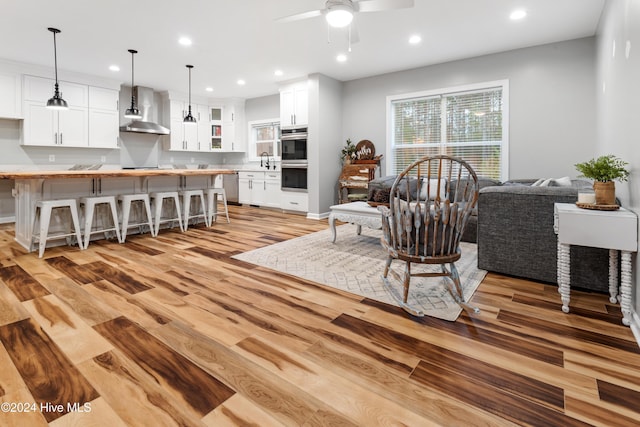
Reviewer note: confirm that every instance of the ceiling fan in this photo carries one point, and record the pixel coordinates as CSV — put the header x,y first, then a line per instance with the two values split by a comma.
x,y
339,13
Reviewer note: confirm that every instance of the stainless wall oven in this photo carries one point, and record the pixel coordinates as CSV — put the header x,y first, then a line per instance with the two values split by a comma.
x,y
294,159
294,144
294,176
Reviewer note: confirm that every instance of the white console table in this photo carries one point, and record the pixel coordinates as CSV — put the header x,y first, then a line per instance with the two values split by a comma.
x,y
614,230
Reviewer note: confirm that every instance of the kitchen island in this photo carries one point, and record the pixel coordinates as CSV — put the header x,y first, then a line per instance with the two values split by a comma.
x,y
31,186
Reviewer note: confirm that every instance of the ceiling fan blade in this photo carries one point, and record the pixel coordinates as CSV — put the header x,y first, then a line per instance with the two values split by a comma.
x,y
300,16
380,5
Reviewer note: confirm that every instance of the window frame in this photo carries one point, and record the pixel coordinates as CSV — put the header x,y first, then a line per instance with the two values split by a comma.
x,y
443,92
252,138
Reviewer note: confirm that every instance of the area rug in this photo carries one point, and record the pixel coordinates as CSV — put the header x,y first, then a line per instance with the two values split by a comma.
x,y
355,263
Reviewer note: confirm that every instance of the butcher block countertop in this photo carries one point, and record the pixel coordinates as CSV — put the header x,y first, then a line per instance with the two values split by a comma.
x,y
114,173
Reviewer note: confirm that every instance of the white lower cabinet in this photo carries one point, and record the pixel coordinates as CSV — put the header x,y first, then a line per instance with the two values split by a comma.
x,y
251,188
262,188
294,201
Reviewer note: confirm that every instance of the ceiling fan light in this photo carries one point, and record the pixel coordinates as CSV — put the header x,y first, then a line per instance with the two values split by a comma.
x,y
339,16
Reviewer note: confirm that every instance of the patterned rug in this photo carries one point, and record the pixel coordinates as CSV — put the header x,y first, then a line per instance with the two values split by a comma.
x,y
355,264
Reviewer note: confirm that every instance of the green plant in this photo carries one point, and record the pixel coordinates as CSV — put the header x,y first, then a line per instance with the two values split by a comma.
x,y
348,151
604,168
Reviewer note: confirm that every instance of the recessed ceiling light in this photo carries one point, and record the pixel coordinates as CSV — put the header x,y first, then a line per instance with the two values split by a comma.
x,y
415,39
278,73
114,68
185,41
518,14
209,89
241,82
341,58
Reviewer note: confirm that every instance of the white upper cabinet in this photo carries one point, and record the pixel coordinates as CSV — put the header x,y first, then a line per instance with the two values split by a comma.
x,y
233,127
294,105
10,96
103,118
66,128
91,120
188,137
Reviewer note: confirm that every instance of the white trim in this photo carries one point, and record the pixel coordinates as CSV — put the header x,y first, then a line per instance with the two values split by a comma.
x,y
504,84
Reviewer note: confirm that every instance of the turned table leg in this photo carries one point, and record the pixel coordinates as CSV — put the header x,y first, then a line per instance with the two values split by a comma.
x,y
613,276
625,287
564,274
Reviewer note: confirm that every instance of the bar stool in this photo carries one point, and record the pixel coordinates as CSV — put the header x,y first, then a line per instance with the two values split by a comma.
x,y
92,206
158,198
142,201
42,220
186,206
212,203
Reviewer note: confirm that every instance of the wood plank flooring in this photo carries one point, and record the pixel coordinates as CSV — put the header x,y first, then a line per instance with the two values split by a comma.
x,y
172,331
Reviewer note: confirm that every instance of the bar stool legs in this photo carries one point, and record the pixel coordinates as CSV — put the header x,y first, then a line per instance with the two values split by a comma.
x,y
42,222
158,198
186,206
212,204
90,204
126,201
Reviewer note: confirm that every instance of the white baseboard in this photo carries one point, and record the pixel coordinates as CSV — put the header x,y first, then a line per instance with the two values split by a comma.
x,y
7,219
318,216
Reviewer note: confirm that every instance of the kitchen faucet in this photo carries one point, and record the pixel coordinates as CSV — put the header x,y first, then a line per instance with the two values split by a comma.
x,y
266,163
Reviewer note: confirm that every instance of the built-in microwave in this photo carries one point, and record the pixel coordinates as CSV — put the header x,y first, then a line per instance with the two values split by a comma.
x,y
294,144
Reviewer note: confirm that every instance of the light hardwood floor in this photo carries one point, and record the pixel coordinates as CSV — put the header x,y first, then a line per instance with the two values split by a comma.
x,y
172,331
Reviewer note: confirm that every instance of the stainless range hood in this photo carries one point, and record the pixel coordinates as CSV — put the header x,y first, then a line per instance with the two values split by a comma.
x,y
144,98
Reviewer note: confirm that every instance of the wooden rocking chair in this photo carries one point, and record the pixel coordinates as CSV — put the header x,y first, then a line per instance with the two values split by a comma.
x,y
429,205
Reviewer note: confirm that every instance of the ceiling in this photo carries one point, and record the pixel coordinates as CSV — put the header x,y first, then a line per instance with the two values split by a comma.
x,y
239,39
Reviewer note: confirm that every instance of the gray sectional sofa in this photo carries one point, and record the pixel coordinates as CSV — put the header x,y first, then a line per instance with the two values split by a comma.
x,y
516,235
513,227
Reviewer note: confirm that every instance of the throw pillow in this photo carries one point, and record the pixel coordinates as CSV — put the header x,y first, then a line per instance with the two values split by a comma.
x,y
565,181
432,186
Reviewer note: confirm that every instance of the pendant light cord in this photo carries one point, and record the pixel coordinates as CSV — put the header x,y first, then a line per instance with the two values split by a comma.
x,y
55,56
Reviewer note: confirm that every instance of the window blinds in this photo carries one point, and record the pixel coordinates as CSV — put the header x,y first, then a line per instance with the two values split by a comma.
x,y
467,125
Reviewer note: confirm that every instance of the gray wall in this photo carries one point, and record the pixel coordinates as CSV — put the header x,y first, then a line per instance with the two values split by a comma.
x,y
324,143
265,107
552,102
618,104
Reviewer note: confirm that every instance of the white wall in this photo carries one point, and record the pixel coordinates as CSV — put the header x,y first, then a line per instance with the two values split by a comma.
x,y
618,104
552,102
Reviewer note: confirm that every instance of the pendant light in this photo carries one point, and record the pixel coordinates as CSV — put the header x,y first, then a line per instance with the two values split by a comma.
x,y
56,103
189,119
132,112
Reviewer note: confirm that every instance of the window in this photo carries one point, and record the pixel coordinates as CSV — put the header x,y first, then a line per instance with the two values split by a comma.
x,y
468,122
264,138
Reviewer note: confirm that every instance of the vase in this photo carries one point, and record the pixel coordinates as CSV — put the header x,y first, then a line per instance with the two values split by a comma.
x,y
605,192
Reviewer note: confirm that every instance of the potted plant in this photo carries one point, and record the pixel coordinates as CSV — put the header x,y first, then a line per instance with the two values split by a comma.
x,y
604,170
348,152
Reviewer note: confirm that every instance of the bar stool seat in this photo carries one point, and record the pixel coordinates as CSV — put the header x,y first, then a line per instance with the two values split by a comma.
x,y
126,202
187,195
158,198
42,222
90,211
212,203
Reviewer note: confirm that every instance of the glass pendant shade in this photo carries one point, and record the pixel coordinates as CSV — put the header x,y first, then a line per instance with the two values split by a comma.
x,y
189,119
132,112
339,16
56,102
